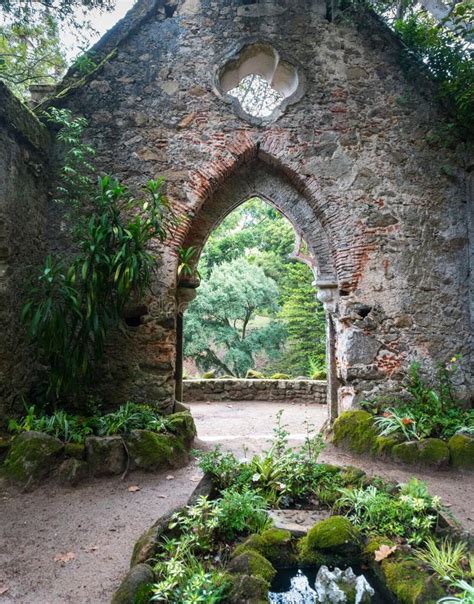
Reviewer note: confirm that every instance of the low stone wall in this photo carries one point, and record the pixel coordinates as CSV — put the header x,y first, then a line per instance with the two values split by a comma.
x,y
301,391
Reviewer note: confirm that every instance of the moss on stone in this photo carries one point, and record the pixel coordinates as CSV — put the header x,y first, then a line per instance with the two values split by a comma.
x,y
274,544
280,376
182,424
75,450
4,447
133,585
355,431
252,563
429,452
254,375
374,543
461,447
384,444
248,589
32,456
335,535
410,583
151,451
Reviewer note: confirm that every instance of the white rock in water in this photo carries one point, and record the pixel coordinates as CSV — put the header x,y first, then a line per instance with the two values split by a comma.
x,y
328,584
300,592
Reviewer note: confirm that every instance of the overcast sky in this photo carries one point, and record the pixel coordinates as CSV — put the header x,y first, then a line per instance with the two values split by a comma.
x,y
101,21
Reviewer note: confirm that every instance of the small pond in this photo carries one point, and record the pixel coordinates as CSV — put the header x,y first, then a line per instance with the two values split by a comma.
x,y
302,586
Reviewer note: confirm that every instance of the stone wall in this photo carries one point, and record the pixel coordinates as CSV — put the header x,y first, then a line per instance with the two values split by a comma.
x,y
298,391
23,192
351,162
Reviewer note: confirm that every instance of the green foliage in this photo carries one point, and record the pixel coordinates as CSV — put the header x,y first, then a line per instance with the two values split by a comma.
x,y
218,333
432,410
186,267
75,302
295,321
412,514
445,557
280,475
449,59
68,428
75,428
466,597
31,53
131,416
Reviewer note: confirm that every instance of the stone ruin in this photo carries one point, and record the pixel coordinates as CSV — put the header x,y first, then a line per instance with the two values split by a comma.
x,y
345,154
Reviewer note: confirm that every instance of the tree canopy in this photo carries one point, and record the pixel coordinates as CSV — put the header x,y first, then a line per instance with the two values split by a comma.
x,y
246,258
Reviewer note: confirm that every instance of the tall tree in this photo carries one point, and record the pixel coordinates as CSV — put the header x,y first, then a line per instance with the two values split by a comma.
x,y
218,330
31,53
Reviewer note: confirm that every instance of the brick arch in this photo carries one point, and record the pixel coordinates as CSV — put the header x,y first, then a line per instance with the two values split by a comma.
x,y
255,177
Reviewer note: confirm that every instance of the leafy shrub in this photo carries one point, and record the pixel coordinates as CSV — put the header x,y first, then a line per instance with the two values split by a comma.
x,y
68,428
432,411
131,416
74,428
76,301
407,515
445,558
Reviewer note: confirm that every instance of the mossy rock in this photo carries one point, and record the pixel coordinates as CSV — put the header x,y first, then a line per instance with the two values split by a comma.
x,y
280,376
73,471
105,455
152,451
319,375
461,447
252,563
384,444
355,430
32,456
182,424
147,543
254,375
432,452
373,544
274,544
133,585
75,450
334,535
247,589
410,583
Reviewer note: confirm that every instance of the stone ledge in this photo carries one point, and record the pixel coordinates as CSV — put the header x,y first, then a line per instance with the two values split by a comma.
x,y
308,391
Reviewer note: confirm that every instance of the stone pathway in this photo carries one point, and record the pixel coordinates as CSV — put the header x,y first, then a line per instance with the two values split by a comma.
x,y
60,545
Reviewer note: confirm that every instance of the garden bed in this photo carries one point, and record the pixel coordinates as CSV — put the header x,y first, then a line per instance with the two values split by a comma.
x,y
73,448
224,547
356,431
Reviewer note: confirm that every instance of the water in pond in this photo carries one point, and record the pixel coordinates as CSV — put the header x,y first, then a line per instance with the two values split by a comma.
x,y
322,586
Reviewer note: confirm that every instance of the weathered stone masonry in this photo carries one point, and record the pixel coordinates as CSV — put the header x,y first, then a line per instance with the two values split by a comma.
x,y
23,203
349,163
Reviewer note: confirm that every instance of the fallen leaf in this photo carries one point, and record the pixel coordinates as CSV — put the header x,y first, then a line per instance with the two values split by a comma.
x,y
161,496
170,477
65,558
134,488
383,552
3,590
230,406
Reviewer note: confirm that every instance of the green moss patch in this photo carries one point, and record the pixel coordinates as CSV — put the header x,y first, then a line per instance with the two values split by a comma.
x,y
151,451
411,584
74,450
248,589
31,458
429,452
274,544
461,447
252,563
333,535
182,424
355,430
